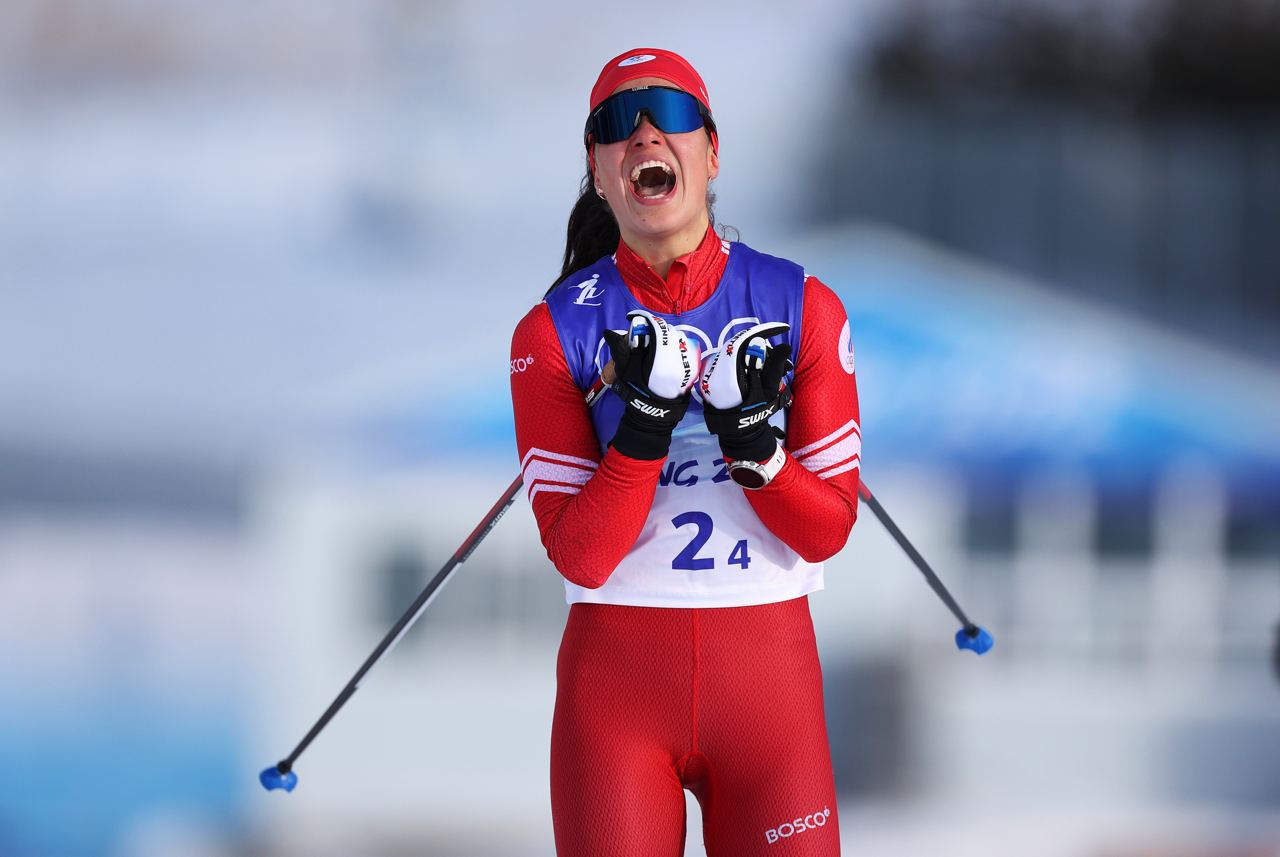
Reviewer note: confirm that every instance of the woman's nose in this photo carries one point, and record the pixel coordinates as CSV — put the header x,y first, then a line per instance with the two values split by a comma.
x,y
646,132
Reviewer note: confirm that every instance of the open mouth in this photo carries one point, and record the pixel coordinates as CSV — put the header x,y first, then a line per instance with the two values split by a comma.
x,y
652,180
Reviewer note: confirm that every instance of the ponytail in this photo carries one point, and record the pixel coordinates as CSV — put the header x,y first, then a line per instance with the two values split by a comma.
x,y
592,232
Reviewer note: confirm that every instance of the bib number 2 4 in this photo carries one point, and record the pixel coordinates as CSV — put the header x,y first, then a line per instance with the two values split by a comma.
x,y
688,559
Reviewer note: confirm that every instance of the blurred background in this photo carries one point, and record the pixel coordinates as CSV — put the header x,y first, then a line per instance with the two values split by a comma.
x,y
259,267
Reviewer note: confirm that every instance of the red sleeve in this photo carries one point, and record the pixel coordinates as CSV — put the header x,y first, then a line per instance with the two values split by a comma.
x,y
590,509
813,501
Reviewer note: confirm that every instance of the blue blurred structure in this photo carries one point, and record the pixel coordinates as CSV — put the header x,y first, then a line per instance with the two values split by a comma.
x,y
1005,376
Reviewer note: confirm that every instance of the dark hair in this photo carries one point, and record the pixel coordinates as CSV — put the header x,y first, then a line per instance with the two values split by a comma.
x,y
593,232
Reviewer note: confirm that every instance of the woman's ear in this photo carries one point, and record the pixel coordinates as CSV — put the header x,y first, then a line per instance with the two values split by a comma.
x,y
713,162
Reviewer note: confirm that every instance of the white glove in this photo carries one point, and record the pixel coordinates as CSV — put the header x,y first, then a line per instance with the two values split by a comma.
x,y
670,361
724,378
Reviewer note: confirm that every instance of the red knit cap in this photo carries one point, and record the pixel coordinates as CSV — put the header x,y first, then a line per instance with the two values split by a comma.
x,y
650,62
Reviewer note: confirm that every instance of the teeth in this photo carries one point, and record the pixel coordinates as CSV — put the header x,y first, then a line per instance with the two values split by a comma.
x,y
635,171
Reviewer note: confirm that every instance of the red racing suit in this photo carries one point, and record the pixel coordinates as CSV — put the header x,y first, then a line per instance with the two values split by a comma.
x,y
724,701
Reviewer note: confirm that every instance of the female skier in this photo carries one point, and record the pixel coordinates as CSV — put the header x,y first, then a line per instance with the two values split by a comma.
x,y
689,537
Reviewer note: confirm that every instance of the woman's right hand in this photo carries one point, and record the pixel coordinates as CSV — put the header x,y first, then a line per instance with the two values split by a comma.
x,y
654,366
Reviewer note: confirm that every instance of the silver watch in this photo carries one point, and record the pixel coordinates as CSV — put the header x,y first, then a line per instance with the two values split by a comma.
x,y
754,475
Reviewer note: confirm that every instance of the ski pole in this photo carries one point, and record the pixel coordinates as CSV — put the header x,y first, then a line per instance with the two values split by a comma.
x,y
281,775
970,636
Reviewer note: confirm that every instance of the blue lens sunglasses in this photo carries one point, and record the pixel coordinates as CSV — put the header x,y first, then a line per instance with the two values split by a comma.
x,y
673,111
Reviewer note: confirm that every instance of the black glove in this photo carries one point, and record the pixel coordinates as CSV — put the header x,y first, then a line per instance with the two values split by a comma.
x,y
743,430
644,432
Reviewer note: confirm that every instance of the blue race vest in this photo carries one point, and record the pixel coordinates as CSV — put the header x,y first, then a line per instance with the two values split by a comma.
x,y
702,544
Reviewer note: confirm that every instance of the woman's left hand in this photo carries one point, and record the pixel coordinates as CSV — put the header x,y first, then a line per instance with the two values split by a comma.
x,y
742,388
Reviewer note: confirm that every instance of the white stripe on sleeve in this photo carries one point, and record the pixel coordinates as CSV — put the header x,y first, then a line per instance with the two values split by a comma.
x,y
556,456
543,486
542,471
852,425
552,471
837,453
835,471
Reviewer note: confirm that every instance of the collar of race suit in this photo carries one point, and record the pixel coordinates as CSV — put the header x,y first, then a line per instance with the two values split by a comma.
x,y
690,281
